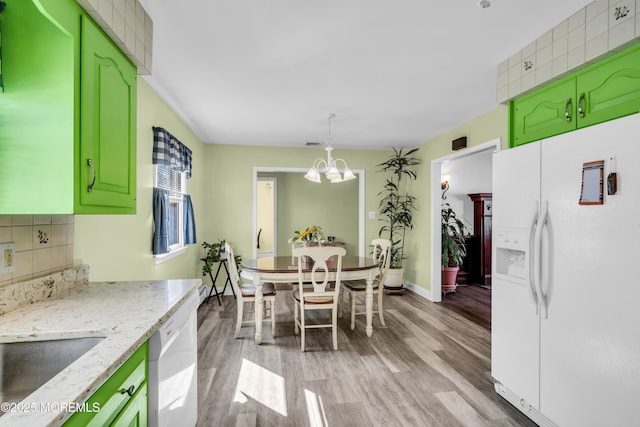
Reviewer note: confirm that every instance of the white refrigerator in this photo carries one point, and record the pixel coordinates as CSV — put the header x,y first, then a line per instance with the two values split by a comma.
x,y
566,285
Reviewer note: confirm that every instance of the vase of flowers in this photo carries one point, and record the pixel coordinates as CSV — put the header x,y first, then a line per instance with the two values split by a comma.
x,y
309,235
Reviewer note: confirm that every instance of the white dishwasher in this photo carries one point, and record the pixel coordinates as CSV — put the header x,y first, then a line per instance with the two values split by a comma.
x,y
173,359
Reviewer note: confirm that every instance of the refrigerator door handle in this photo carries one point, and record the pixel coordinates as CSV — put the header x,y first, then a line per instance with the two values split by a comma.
x,y
544,213
544,263
532,258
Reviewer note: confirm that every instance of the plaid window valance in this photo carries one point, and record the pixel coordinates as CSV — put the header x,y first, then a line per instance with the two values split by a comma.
x,y
167,150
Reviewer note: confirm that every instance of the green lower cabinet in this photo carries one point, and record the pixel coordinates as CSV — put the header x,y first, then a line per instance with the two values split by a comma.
x,y
135,413
604,91
121,400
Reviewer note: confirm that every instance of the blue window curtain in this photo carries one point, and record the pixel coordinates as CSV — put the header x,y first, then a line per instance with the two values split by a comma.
x,y
167,150
160,221
189,223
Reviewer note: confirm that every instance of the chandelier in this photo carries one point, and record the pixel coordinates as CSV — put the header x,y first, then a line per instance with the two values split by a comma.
x,y
329,167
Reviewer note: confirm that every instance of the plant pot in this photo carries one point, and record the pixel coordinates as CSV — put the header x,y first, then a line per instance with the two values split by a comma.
x,y
394,279
449,276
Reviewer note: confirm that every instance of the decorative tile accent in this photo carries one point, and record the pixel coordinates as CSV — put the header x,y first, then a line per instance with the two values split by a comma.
x,y
601,28
44,245
620,12
621,23
128,25
41,236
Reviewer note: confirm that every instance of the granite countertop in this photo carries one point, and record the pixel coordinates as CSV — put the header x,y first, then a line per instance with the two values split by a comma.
x,y
125,313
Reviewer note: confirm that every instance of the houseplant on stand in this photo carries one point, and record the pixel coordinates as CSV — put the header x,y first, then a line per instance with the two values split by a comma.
x,y
396,210
454,234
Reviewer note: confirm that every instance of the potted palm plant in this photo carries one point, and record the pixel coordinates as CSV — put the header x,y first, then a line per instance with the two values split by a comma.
x,y
396,209
454,234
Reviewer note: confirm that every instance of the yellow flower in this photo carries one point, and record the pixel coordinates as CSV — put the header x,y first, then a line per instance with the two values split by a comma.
x,y
312,233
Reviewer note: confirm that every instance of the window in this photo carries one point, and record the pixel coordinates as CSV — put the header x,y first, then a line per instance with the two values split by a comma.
x,y
174,225
175,183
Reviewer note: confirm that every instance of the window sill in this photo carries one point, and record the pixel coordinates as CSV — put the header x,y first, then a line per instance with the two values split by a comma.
x,y
159,259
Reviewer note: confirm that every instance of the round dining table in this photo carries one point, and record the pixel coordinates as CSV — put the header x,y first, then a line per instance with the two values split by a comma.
x,y
284,269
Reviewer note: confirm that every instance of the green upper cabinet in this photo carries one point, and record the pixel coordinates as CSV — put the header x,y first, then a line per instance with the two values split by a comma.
x,y
610,90
36,113
107,160
548,111
69,96
601,92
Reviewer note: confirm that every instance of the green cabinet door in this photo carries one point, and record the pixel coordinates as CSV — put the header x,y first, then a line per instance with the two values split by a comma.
x,y
543,113
135,413
107,153
36,113
122,396
609,90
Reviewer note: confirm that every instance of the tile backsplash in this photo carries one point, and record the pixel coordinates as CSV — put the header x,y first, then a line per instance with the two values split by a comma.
x,y
44,245
601,28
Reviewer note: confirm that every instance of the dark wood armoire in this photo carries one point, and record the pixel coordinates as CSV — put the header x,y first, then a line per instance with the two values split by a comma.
x,y
481,242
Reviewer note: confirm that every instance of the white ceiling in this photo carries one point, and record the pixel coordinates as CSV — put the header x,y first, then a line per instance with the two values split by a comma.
x,y
395,72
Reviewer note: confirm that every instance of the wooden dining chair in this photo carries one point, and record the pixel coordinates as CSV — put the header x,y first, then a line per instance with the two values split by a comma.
x,y
246,293
356,288
321,293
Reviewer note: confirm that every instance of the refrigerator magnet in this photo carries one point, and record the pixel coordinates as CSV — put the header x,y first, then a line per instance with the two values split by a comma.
x,y
592,191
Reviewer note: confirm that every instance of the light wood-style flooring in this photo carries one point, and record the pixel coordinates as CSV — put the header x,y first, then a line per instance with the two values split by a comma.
x,y
428,367
471,302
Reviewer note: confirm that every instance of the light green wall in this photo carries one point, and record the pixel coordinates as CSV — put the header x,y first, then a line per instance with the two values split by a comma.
x,y
482,129
229,196
118,247
229,193
333,207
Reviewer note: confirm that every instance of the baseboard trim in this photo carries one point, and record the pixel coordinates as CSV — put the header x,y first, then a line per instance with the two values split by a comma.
x,y
419,290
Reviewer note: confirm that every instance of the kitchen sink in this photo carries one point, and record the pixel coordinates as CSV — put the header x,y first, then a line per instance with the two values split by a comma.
x,y
25,366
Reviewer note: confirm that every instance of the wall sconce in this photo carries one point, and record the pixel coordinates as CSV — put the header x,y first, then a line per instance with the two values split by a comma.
x,y
444,184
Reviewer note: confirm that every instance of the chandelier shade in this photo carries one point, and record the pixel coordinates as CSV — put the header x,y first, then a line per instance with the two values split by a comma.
x,y
330,166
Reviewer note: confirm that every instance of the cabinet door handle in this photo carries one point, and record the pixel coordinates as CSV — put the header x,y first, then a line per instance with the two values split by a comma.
x,y
580,109
129,390
567,116
93,172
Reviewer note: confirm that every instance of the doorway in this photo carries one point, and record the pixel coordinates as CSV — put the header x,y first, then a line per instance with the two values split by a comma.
x,y
355,221
448,163
266,217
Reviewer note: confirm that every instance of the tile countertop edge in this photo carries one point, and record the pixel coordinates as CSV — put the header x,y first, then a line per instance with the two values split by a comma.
x,y
101,309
